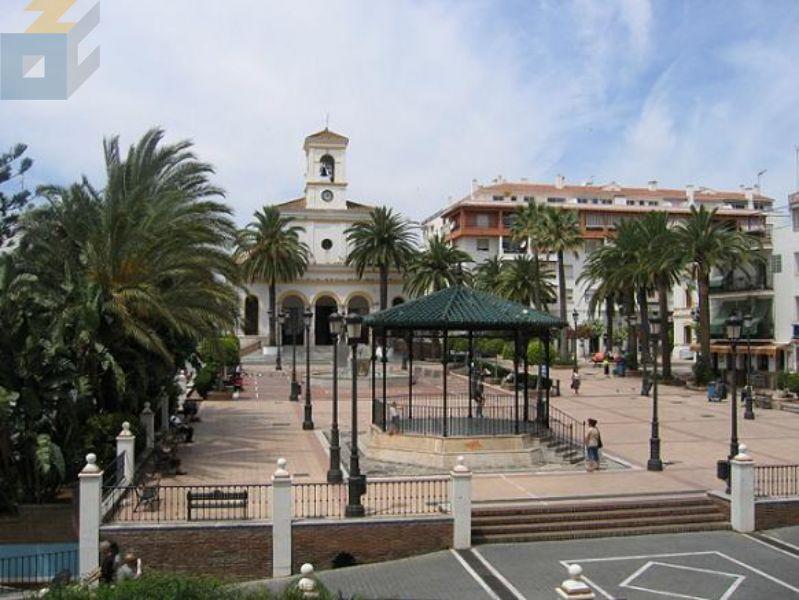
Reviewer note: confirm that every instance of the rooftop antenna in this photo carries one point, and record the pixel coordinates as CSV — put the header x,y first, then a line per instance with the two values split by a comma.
x,y
327,120
759,175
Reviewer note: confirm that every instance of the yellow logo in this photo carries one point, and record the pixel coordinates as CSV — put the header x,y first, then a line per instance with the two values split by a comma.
x,y
52,11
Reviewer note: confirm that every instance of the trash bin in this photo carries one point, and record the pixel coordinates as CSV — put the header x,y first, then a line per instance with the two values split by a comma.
x,y
711,391
723,470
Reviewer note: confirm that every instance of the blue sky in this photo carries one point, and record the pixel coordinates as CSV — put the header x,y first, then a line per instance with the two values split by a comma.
x,y
433,94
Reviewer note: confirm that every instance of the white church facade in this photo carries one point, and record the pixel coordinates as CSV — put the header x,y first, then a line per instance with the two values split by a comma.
x,y
325,211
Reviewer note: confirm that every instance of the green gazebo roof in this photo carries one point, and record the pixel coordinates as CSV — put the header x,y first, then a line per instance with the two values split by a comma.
x,y
462,308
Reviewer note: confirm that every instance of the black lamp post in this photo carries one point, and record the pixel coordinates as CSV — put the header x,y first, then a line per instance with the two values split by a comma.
x,y
294,394
307,422
749,413
733,324
356,484
632,338
654,463
575,316
334,472
281,317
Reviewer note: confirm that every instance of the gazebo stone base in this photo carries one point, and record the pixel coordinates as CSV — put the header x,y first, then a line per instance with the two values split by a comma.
x,y
480,452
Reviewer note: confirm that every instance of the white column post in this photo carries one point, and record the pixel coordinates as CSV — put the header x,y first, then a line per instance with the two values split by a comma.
x,y
575,588
89,494
742,492
126,445
148,423
281,520
461,505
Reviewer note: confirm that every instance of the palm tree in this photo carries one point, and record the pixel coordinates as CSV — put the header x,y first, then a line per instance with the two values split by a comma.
x,y
527,229
522,279
560,233
270,249
709,243
487,274
382,241
438,266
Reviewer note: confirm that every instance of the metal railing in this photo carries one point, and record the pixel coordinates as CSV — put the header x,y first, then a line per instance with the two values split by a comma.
x,y
566,430
114,473
776,481
25,572
169,503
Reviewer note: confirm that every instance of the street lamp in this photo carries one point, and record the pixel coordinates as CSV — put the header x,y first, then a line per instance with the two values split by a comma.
x,y
294,394
733,324
654,463
281,317
575,316
749,413
334,472
356,484
307,422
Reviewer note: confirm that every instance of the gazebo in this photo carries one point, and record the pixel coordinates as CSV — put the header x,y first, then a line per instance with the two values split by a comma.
x,y
454,421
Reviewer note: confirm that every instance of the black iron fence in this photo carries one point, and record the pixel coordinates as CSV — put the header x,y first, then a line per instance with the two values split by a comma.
x,y
156,503
26,572
566,430
114,473
776,481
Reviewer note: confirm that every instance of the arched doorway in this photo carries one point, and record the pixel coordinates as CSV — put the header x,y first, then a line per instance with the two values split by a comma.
x,y
325,306
360,305
293,326
251,315
397,301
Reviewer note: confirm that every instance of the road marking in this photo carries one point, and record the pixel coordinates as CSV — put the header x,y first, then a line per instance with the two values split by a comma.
x,y
498,575
475,576
759,572
730,590
775,544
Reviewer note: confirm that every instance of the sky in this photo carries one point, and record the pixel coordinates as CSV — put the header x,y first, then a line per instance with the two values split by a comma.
x,y
432,94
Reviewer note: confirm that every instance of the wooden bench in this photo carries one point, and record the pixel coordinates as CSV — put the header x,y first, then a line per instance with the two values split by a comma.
x,y
216,499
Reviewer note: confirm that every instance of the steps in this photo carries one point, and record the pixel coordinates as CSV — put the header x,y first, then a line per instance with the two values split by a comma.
x,y
605,518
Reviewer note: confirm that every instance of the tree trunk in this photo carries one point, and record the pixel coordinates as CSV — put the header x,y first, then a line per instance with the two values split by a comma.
x,y
609,314
383,287
665,330
643,308
536,271
632,338
273,319
564,346
704,315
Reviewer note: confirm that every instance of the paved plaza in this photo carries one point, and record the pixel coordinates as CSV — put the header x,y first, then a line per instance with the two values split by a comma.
x,y
697,566
239,441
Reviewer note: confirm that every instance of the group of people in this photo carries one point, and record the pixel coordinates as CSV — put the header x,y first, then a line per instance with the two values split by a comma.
x,y
115,568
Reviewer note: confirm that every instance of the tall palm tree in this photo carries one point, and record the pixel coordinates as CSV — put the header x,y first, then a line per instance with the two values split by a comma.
x,y
438,266
560,233
709,243
383,241
487,274
527,229
270,249
522,279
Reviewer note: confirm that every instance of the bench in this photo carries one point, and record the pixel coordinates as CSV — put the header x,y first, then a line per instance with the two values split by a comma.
x,y
216,499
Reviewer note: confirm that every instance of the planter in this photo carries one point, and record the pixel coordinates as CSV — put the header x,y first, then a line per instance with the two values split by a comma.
x,y
216,395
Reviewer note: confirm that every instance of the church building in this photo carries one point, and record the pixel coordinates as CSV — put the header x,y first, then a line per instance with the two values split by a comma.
x,y
325,211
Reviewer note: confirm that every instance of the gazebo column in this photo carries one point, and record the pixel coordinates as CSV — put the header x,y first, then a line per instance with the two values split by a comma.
x,y
540,414
444,378
548,385
516,382
410,375
373,371
384,361
526,366
470,370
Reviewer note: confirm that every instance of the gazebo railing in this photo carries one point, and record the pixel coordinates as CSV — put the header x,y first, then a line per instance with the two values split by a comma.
x,y
565,430
424,415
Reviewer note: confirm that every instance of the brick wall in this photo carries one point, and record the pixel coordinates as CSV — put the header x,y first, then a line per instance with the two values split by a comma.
x,y
368,540
776,513
229,551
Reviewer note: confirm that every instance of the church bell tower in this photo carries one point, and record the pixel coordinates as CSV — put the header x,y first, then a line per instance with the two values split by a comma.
x,y
326,171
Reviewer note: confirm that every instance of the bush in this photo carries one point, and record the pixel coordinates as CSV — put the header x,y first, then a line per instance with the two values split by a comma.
x,y
223,351
490,346
703,372
788,381
100,435
206,379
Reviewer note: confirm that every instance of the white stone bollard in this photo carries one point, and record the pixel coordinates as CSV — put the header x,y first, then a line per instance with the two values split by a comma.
x,y
307,584
281,520
148,423
126,445
574,587
461,505
90,493
742,492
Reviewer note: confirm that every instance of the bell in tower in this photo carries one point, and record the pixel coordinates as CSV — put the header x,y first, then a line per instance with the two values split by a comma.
x,y
328,168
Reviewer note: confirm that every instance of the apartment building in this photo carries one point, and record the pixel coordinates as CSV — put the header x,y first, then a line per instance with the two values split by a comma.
x,y
481,222
786,282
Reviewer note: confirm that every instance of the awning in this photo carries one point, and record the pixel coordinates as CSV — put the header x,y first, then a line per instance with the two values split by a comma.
x,y
757,350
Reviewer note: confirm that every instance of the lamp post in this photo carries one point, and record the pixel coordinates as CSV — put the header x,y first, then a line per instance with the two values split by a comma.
x,y
356,485
334,472
654,463
307,422
281,317
733,324
749,413
294,394
575,316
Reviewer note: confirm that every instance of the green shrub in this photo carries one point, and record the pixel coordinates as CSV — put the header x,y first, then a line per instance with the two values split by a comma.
x,y
703,372
223,351
490,346
206,379
100,435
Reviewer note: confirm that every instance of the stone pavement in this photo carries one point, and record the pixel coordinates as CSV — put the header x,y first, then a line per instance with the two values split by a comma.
x,y
239,441
702,566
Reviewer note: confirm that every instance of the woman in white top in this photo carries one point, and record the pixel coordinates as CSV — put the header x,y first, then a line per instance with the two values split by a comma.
x,y
593,442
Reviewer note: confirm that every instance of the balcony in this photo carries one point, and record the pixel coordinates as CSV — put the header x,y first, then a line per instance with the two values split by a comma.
x,y
740,281
762,320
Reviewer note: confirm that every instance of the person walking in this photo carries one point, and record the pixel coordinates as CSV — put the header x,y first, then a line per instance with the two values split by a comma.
x,y
393,419
606,365
575,385
593,443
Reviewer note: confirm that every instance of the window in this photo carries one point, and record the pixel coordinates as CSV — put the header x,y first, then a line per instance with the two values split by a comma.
x,y
795,217
582,200
630,202
762,362
529,199
513,198
327,244
607,201
592,245
510,247
686,332
652,203
796,263
593,221
482,220
689,299
776,263
482,244
797,307
556,200
498,198
508,219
